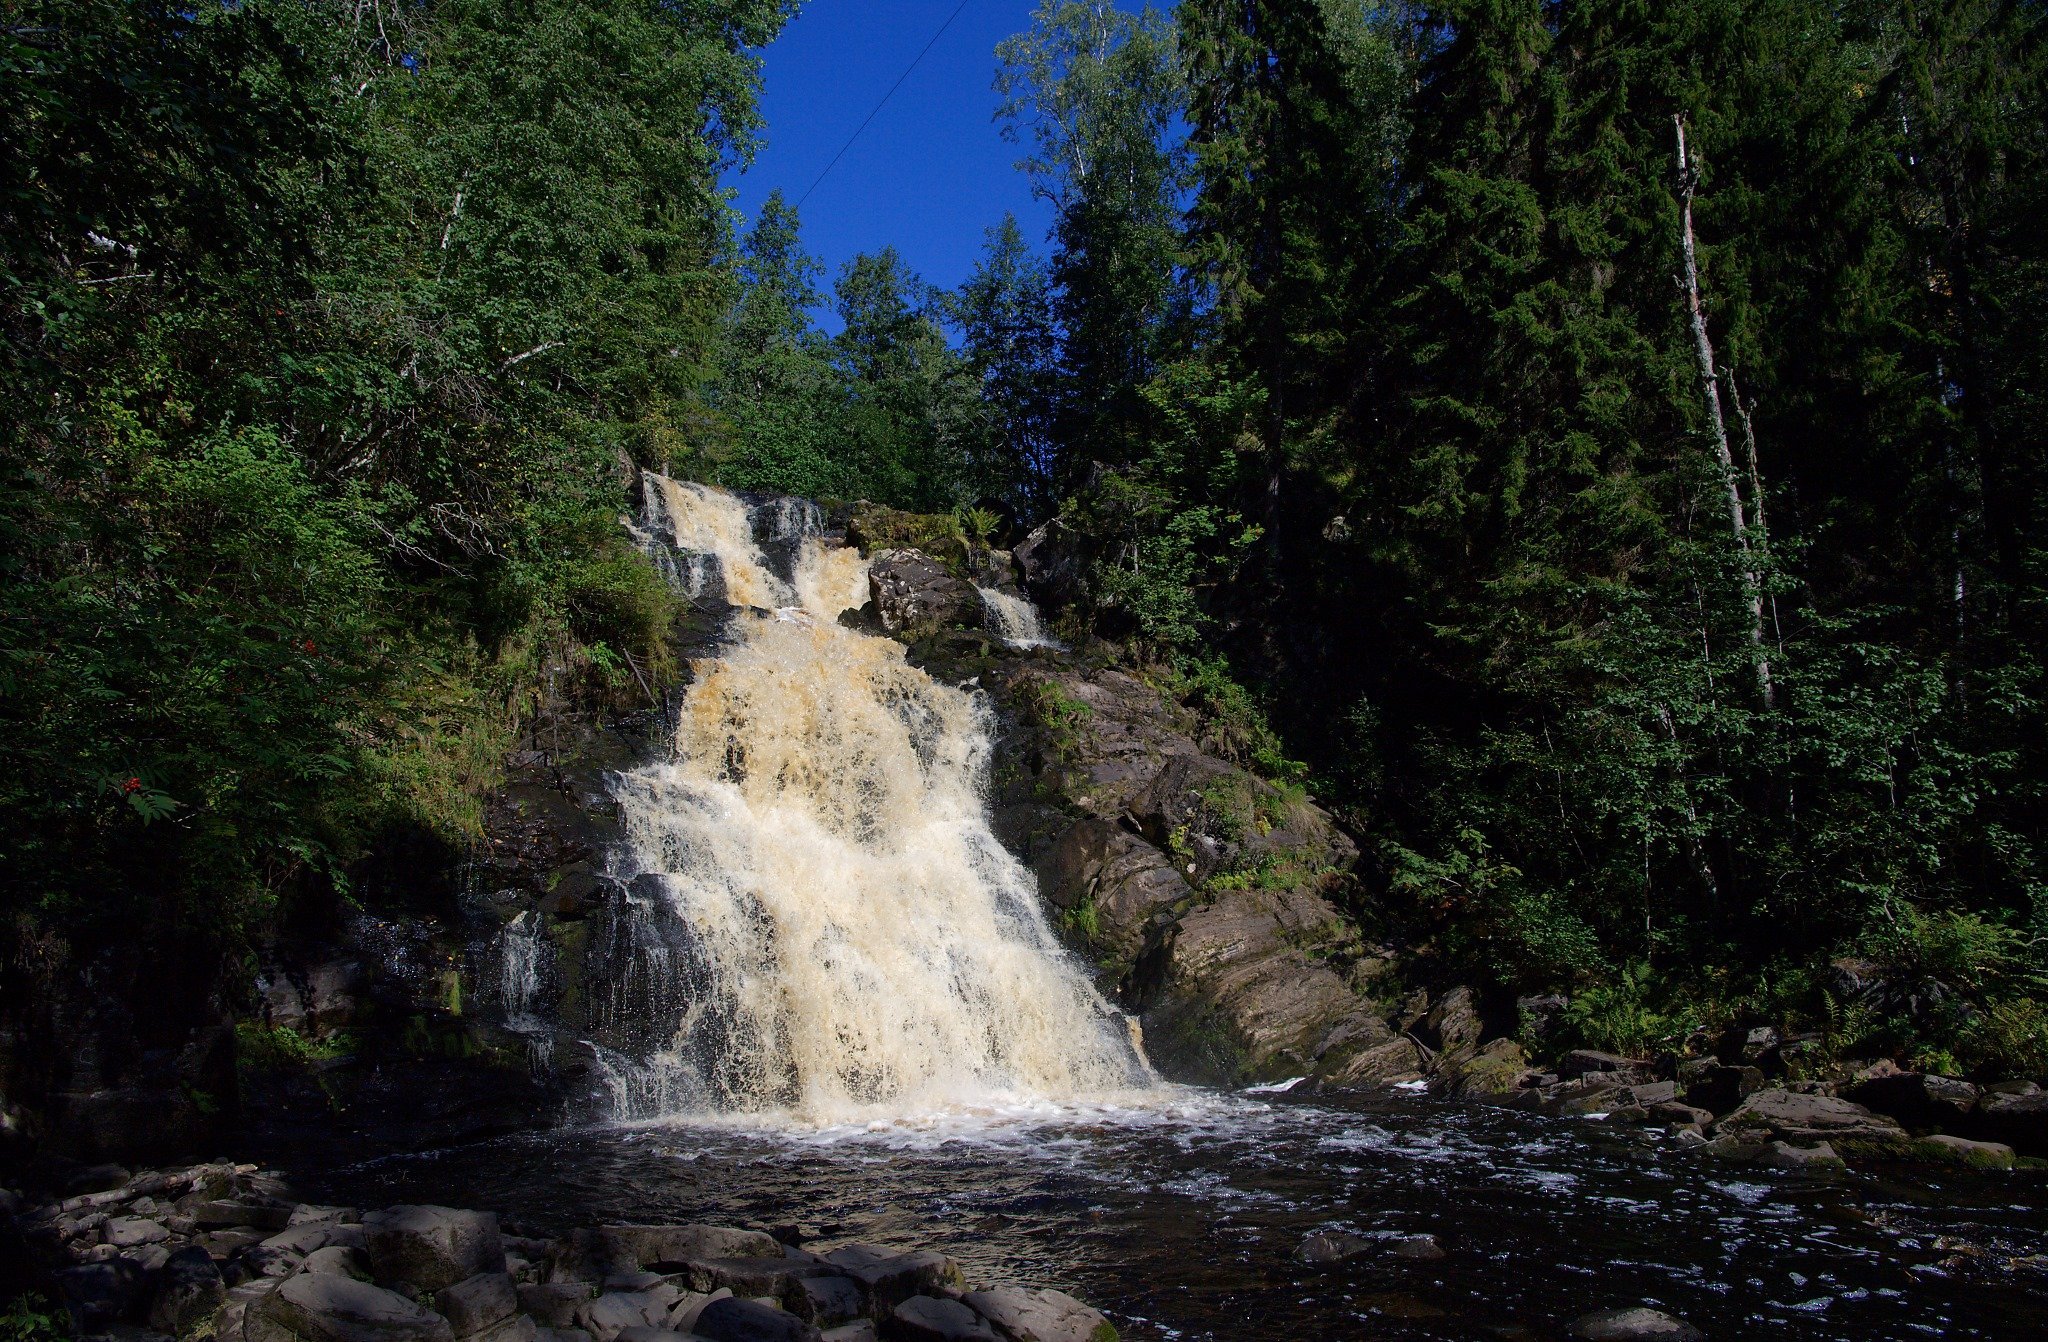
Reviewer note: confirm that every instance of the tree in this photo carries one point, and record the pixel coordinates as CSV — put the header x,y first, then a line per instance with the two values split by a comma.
x,y
1010,338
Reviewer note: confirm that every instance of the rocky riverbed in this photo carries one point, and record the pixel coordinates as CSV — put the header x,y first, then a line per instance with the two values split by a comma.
x,y
224,1252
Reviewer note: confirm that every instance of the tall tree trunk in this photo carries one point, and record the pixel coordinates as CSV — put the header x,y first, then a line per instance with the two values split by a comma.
x,y
1710,385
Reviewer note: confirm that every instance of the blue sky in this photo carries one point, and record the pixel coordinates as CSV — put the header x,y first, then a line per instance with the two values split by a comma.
x,y
932,173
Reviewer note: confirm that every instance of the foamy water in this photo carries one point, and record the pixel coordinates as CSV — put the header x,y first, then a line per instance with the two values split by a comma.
x,y
842,938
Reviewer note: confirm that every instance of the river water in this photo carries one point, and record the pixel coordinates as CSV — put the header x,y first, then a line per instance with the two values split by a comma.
x,y
1180,1217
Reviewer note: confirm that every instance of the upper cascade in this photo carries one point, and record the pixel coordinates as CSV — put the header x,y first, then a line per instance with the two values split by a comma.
x,y
830,922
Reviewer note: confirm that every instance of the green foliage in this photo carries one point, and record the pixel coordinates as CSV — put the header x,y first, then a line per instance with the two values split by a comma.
x,y
1621,1015
264,1048
31,1318
328,343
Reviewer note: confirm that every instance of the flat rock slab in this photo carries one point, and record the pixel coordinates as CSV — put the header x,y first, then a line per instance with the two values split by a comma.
x,y
925,1318
317,1307
1810,1118
1022,1314
675,1247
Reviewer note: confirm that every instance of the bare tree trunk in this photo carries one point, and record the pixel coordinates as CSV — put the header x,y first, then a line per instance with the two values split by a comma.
x,y
1710,384
1744,412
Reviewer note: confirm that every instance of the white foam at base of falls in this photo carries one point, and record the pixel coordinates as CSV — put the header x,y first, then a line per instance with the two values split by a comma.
x,y
1014,620
850,940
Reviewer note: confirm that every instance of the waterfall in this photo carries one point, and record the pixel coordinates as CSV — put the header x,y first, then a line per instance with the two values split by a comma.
x,y
840,934
1014,620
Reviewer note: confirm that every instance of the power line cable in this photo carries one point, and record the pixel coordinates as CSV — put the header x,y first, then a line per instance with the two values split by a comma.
x,y
885,101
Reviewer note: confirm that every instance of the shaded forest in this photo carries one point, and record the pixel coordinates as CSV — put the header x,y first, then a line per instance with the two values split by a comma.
x,y
1596,449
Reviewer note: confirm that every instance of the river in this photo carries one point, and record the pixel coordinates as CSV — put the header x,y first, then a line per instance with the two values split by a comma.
x,y
1181,1217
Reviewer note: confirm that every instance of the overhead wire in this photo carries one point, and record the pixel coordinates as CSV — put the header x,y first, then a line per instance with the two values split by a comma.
x,y
877,109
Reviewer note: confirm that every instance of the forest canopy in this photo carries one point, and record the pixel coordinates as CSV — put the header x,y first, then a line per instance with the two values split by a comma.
x,y
1597,448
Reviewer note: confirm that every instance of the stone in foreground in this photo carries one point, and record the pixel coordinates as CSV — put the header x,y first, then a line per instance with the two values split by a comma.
x,y
924,1318
1025,1315
432,1247
732,1320
322,1307
1632,1325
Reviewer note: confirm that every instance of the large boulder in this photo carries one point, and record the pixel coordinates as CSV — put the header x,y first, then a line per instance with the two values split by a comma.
x,y
1803,1120
914,594
318,1307
473,1305
432,1247
890,1278
735,1320
190,1294
2016,1115
1917,1099
1024,1315
925,1318
674,1247
1052,564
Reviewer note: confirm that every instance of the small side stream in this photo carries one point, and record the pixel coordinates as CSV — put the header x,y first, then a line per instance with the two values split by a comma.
x,y
1181,1219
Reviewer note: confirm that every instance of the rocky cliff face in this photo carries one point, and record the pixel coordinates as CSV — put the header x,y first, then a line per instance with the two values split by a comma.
x,y
1202,895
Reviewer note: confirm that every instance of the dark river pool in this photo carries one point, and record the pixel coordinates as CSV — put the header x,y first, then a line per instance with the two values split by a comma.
x,y
1180,1218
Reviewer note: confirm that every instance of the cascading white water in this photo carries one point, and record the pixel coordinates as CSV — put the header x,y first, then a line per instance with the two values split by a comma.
x,y
1014,620
846,938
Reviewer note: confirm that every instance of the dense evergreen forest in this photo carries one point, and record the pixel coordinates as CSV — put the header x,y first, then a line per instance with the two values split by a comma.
x,y
1598,449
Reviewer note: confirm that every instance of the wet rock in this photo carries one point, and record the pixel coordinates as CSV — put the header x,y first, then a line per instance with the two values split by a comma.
x,y
562,1335
914,594
1325,1247
189,1294
474,1304
861,1330
734,1320
554,1304
1024,1315
319,1307
1122,878
1419,1249
1807,1119
1917,1099
1951,1150
1632,1325
924,1318
640,1333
